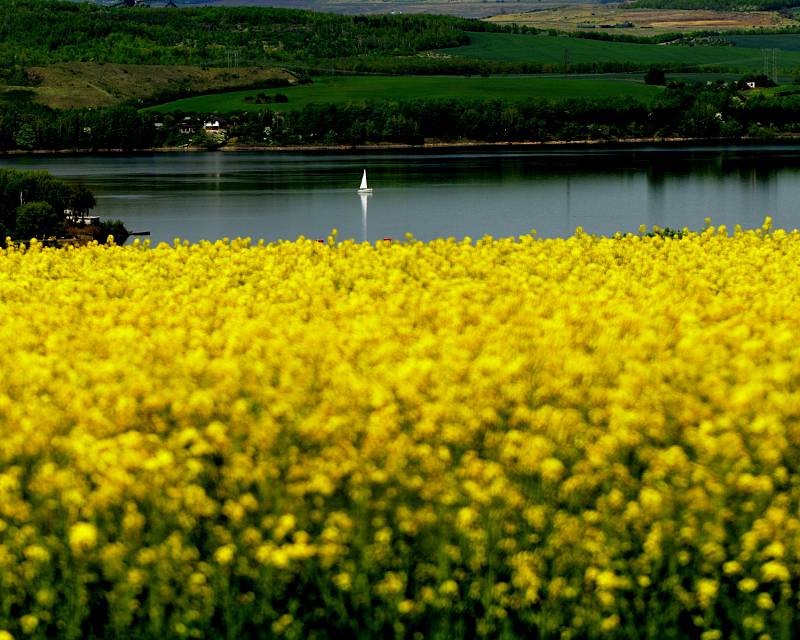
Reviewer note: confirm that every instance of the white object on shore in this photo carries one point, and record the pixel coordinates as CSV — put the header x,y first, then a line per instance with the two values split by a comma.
x,y
364,188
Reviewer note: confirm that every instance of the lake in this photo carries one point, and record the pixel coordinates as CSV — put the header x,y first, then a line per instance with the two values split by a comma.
x,y
434,194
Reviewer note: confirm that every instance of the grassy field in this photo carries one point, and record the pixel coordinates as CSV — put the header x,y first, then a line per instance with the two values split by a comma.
x,y
781,90
551,50
342,89
780,41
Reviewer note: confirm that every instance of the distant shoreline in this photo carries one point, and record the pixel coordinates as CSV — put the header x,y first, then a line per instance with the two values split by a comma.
x,y
550,144
429,146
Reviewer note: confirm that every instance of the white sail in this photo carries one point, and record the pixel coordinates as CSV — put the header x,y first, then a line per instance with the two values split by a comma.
x,y
364,188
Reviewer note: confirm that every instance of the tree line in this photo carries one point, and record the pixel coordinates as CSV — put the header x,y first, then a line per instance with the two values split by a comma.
x,y
28,126
682,110
717,5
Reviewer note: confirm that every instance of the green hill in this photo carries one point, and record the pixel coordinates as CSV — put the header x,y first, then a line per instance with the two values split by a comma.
x,y
554,50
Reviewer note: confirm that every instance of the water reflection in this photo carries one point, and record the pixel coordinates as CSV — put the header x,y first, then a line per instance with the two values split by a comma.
x,y
568,228
364,203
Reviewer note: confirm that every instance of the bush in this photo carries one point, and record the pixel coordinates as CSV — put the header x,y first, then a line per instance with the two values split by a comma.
x,y
655,76
114,228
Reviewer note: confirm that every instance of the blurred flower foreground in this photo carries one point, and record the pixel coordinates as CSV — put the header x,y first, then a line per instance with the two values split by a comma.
x,y
577,438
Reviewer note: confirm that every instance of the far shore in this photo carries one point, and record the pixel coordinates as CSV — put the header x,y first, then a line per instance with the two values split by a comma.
x,y
787,139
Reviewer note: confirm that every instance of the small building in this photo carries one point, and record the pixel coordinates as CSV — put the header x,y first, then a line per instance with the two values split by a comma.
x,y
213,125
188,126
82,218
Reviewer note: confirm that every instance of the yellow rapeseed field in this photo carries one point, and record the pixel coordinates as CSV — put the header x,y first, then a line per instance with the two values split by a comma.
x,y
570,438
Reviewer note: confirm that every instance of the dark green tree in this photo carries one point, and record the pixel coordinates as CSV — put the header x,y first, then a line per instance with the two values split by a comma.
x,y
25,137
655,76
37,220
82,202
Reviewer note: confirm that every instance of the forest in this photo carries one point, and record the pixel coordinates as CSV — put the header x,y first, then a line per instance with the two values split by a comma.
x,y
37,32
27,126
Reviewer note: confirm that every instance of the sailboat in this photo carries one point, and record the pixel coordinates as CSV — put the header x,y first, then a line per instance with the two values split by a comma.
x,y
364,188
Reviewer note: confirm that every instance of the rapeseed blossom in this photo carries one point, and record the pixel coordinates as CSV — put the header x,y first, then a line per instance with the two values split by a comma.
x,y
580,437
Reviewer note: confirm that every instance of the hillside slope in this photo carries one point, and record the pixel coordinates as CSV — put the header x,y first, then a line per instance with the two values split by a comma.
x,y
87,84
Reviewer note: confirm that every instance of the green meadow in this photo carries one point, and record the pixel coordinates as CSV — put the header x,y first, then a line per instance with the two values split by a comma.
x,y
342,89
552,49
781,41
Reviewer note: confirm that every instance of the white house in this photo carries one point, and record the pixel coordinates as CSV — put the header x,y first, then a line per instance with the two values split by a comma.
x,y
213,125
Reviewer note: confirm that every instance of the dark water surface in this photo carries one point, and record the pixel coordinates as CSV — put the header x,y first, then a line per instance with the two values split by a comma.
x,y
275,196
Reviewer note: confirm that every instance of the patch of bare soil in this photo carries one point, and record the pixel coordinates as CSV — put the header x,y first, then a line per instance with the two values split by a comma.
x,y
88,84
622,19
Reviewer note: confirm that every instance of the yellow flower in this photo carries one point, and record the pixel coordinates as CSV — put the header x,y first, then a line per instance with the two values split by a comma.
x,y
82,537
37,552
510,423
28,623
224,555
774,571
282,623
405,606
707,591
748,585
551,469
610,623
343,580
764,601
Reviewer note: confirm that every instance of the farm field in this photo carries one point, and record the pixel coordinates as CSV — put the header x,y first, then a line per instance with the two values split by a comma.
x,y
583,437
642,22
341,89
463,8
780,41
551,50
788,89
